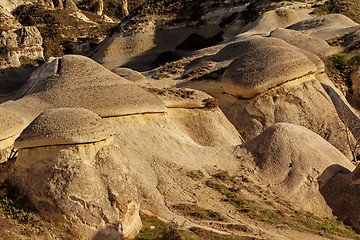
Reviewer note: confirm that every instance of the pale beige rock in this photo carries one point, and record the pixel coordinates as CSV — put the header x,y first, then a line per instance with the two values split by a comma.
x,y
161,147
82,17
256,71
11,124
290,158
271,20
29,36
302,103
9,39
131,75
64,126
304,41
23,42
326,27
68,81
84,188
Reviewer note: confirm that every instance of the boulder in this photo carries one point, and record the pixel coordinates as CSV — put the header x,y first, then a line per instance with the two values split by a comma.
x,y
75,175
305,42
290,158
70,5
271,20
304,103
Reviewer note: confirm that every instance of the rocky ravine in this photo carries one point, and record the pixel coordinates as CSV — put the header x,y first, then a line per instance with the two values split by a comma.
x,y
245,136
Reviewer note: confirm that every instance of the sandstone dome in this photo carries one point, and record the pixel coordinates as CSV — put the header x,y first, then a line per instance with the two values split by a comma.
x,y
304,41
131,75
290,158
64,126
11,124
77,81
233,50
326,27
271,20
256,71
327,21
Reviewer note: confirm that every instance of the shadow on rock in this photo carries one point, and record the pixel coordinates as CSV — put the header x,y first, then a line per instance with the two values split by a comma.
x,y
11,79
346,115
341,191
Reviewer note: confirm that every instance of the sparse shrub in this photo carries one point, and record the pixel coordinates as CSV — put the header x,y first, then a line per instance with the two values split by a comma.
x,y
13,204
211,103
29,61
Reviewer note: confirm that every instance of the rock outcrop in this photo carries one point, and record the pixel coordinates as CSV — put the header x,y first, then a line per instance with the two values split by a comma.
x,y
305,42
341,193
258,70
72,172
276,82
271,20
25,42
326,27
290,158
67,81
59,4
7,20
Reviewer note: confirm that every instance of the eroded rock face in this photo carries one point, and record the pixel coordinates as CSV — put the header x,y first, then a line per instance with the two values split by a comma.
x,y
7,20
24,42
82,181
272,81
302,103
290,158
341,193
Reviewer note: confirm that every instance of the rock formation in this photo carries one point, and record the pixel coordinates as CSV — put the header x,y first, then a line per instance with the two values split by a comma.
x,y
326,27
72,172
131,75
341,193
59,4
290,158
271,20
24,42
238,131
264,83
98,7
